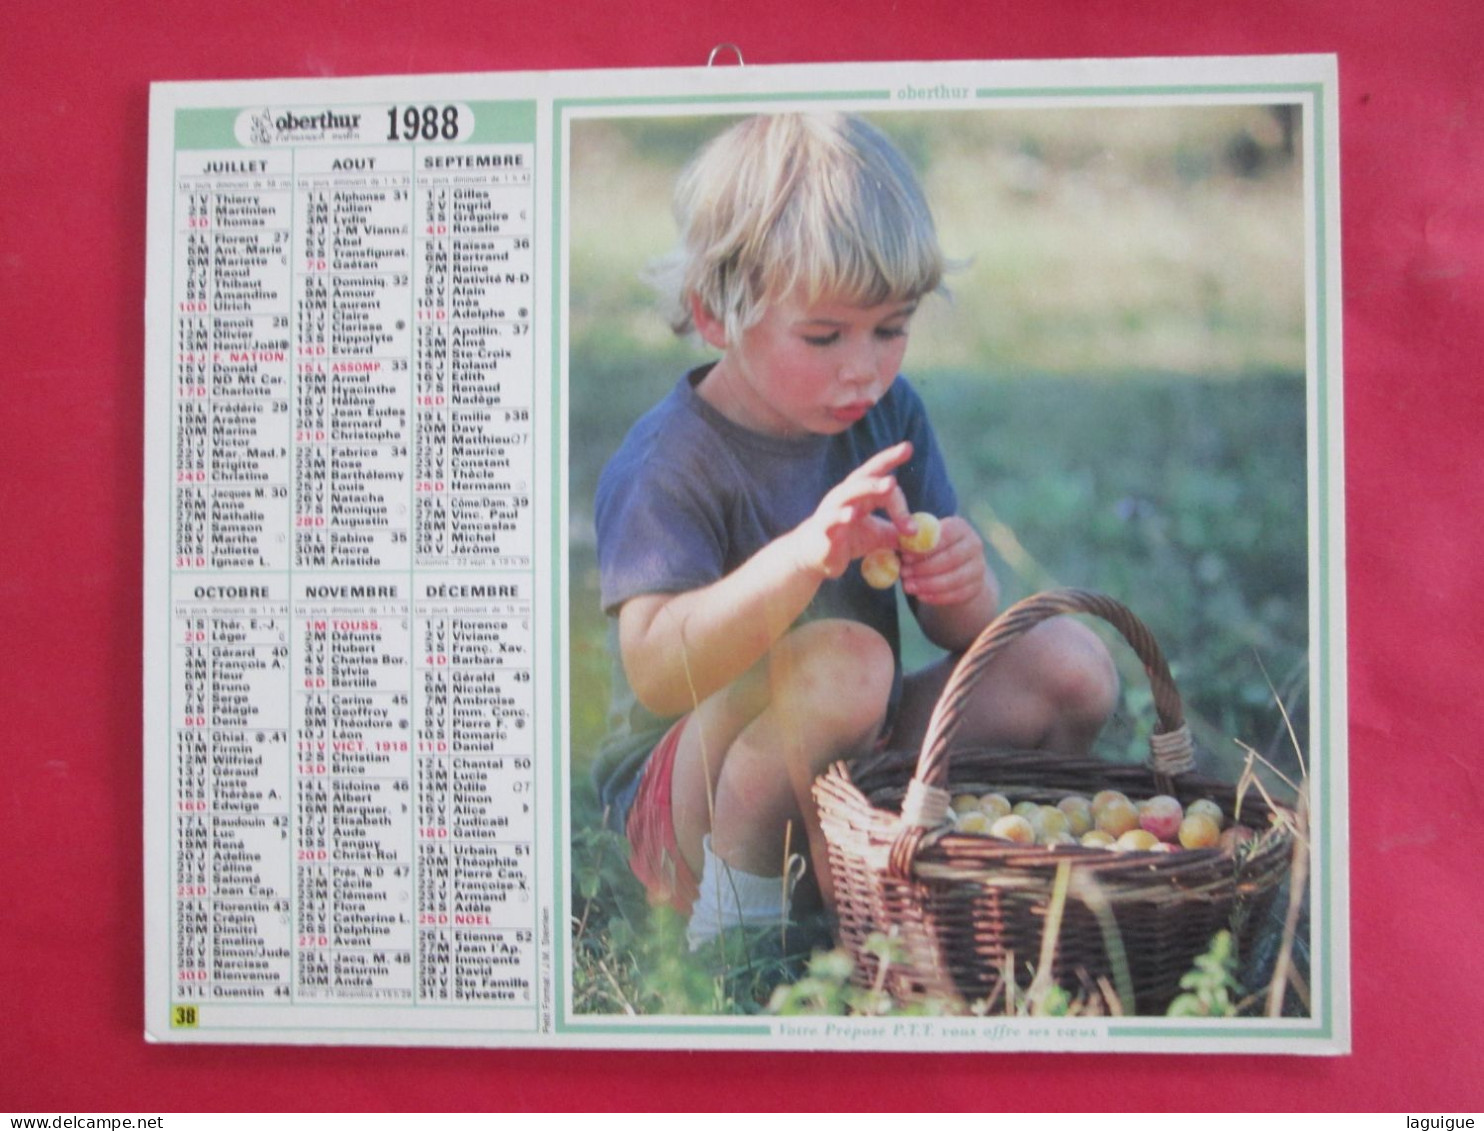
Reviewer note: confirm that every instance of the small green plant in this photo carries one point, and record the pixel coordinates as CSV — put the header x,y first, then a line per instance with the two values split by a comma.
x,y
672,980
826,988
1055,1001
1212,989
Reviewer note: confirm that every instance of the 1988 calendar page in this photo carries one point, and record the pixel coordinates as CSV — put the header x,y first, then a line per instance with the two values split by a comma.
x,y
397,326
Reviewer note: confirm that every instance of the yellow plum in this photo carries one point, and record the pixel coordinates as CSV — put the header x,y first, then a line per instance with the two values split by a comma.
x,y
1136,840
1209,808
881,568
996,805
1014,827
1053,823
1199,831
1116,817
929,530
1078,811
972,822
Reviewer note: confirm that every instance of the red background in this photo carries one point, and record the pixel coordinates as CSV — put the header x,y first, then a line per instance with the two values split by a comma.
x,y
75,77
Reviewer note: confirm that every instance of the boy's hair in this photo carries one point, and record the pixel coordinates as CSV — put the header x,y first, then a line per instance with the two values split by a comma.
x,y
822,203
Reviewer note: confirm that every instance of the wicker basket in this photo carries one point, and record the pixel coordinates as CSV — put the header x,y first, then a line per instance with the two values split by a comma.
x,y
966,908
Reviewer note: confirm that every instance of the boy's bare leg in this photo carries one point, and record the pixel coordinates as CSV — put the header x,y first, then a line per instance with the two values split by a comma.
x,y
820,695
1053,689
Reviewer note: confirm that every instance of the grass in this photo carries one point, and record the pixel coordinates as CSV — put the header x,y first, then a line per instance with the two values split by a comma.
x,y
635,962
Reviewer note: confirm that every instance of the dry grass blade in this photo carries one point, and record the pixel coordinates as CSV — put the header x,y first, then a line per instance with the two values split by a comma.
x,y
690,685
1050,935
1298,750
1008,545
1300,987
1298,883
1110,997
1254,758
709,775
617,989
1090,892
878,985
986,1007
1249,778
783,908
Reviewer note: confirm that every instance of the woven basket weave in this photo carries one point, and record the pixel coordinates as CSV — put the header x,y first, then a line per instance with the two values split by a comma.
x,y
966,908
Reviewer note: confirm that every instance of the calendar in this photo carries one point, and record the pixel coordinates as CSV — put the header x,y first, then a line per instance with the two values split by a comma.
x,y
374,657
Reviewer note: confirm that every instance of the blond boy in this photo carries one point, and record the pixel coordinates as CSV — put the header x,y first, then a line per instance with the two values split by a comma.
x,y
749,651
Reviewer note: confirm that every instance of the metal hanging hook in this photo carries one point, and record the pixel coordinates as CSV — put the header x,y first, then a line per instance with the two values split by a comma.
x,y
719,48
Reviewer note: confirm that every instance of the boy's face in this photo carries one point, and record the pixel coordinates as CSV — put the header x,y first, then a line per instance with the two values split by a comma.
x,y
809,368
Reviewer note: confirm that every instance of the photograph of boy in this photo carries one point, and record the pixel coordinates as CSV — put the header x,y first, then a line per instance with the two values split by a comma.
x,y
744,647
752,652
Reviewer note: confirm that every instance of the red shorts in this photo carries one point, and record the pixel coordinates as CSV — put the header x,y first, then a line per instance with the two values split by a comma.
x,y
654,853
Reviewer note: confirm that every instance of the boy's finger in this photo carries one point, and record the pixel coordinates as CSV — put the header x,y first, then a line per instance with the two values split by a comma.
x,y
936,562
895,505
943,596
883,533
866,533
888,459
872,493
945,589
873,479
937,580
874,534
864,530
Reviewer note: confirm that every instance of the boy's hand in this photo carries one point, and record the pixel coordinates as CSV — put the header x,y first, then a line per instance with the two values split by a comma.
x,y
953,572
845,526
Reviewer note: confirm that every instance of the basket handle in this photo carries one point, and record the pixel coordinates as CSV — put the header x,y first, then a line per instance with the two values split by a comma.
x,y
1170,744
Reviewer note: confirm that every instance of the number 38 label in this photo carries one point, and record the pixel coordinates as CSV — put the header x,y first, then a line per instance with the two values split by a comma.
x,y
184,1017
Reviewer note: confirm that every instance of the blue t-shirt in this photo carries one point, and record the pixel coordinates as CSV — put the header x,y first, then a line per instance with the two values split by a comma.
x,y
690,495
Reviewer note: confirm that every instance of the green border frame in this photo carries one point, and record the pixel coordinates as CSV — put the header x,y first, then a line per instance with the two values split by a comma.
x,y
1320,1027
